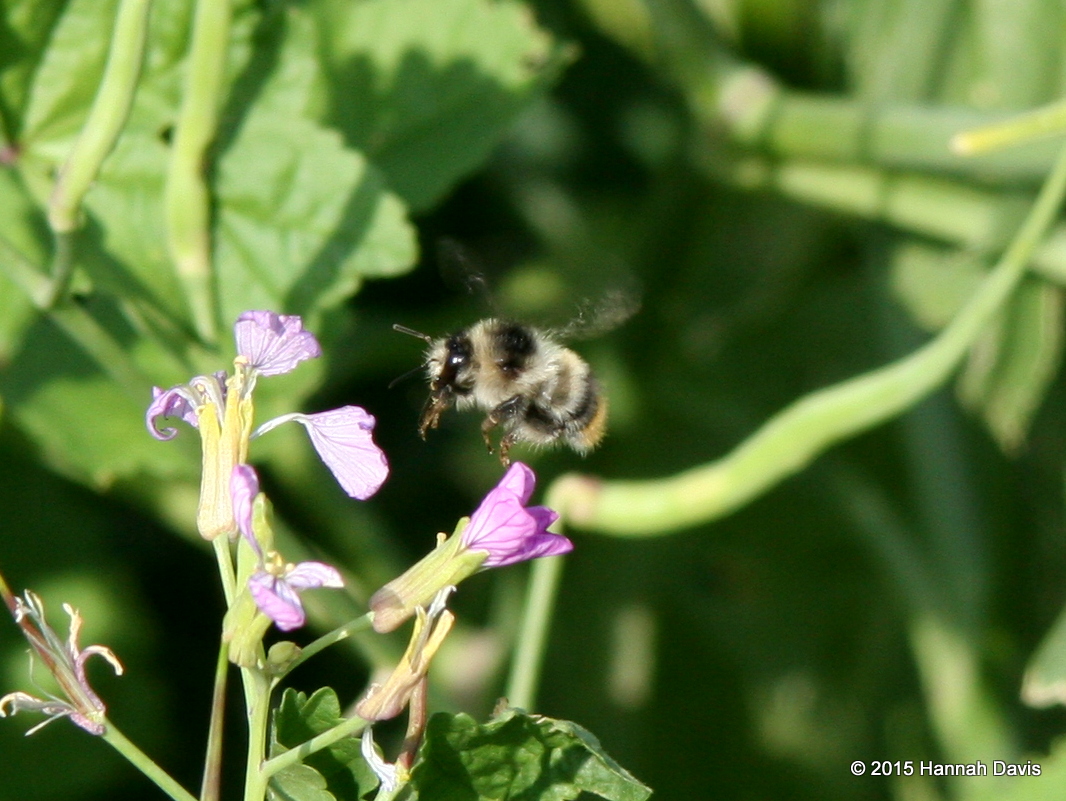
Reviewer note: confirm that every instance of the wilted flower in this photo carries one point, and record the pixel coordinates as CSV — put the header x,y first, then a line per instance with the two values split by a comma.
x,y
388,699
502,531
389,775
220,406
64,660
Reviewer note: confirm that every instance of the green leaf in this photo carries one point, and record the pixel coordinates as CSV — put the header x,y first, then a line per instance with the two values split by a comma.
x,y
70,70
25,26
130,255
341,766
1044,683
517,755
1021,787
1010,369
21,228
302,218
84,425
426,88
299,783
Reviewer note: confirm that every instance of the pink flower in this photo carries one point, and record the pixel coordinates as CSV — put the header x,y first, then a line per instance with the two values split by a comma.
x,y
502,531
509,530
278,594
276,585
221,407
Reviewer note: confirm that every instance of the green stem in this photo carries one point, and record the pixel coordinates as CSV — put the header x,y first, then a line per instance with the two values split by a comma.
x,y
225,568
961,708
758,112
144,764
350,727
108,115
761,114
958,214
186,196
257,696
337,635
1044,121
62,268
800,432
211,787
533,631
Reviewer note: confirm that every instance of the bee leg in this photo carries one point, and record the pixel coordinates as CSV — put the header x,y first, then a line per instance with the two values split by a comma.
x,y
436,404
505,447
504,414
487,425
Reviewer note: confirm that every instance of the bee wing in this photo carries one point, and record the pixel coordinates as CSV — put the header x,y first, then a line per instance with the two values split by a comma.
x,y
595,318
459,270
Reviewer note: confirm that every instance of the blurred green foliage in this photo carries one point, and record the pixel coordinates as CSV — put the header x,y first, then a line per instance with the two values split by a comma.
x,y
772,177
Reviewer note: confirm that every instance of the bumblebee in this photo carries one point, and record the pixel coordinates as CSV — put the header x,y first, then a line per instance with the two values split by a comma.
x,y
529,385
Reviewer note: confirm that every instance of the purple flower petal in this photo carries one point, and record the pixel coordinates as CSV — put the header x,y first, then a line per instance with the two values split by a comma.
x,y
244,486
344,440
509,531
312,575
168,403
278,597
274,343
518,480
277,600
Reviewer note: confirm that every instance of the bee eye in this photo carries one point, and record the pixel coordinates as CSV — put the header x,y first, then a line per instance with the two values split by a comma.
x,y
456,359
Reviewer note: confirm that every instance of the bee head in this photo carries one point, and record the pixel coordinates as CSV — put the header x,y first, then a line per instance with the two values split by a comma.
x,y
449,361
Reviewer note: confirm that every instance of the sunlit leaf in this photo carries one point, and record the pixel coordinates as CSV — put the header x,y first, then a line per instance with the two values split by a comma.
x,y
516,755
299,783
341,766
426,88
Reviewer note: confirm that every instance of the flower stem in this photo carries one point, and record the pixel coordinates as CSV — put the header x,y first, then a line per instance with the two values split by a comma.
x,y
210,788
225,568
325,641
62,267
144,764
800,432
350,727
533,631
257,696
186,196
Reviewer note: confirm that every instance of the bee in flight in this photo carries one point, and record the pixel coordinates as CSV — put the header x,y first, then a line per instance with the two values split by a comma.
x,y
531,386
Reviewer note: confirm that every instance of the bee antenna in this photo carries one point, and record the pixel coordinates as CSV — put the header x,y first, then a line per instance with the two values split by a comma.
x,y
403,329
406,375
